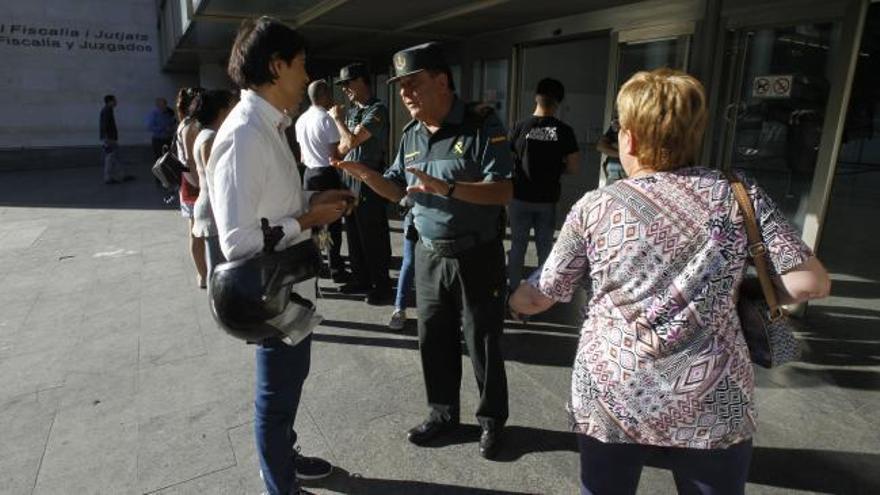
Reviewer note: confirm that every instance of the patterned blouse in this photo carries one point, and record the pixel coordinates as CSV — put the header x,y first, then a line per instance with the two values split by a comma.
x,y
661,358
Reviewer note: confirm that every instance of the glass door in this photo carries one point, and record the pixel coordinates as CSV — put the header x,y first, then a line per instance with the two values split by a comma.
x,y
631,54
635,56
489,85
776,101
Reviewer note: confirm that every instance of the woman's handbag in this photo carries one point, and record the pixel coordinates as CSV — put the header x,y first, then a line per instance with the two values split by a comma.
x,y
168,167
768,329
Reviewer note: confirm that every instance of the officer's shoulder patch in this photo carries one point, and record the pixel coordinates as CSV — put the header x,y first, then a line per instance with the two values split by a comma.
x,y
411,156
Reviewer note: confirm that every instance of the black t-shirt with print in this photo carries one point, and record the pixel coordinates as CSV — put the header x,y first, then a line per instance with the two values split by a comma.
x,y
540,145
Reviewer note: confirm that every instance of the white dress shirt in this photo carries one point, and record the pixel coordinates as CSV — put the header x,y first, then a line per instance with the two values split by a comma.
x,y
253,175
317,135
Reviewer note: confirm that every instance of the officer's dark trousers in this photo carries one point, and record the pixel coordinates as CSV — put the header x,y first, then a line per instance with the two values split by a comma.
x,y
462,292
323,179
369,242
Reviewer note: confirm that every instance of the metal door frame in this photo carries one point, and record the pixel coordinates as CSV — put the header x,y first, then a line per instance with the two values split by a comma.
x,y
850,14
683,32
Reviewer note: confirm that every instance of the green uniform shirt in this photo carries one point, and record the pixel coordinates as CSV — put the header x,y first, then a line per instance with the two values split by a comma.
x,y
373,116
470,146
373,152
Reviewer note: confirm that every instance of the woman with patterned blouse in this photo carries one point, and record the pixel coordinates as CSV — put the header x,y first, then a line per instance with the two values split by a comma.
x,y
662,366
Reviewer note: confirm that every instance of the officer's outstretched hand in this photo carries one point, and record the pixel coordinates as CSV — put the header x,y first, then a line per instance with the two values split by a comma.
x,y
357,170
427,183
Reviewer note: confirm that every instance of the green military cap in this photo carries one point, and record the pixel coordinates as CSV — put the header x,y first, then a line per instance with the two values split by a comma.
x,y
415,59
351,72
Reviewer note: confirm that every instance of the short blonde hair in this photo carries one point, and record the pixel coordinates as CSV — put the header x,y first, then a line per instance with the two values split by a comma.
x,y
666,111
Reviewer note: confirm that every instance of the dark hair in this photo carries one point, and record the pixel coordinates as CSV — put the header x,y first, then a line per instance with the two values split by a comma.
x,y
206,106
109,98
257,44
552,90
185,96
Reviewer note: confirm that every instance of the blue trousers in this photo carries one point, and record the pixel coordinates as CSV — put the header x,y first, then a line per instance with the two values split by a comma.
x,y
213,254
407,273
281,371
615,468
525,216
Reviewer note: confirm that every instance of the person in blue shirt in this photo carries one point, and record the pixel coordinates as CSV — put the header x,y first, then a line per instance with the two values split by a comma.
x,y
161,123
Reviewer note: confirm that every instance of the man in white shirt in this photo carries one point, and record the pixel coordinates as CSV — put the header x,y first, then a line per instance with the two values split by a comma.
x,y
318,139
254,177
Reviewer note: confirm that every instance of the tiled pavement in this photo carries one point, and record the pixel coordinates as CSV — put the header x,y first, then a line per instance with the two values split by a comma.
x,y
114,378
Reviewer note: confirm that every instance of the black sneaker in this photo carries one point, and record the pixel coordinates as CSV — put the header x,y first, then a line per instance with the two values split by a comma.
x,y
311,468
340,276
297,491
324,271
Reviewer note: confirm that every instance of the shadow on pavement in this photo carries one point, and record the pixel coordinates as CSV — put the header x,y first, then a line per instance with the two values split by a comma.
x,y
83,188
345,482
521,346
827,471
516,442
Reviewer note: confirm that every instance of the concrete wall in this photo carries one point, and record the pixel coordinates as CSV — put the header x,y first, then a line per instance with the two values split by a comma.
x,y
58,63
212,75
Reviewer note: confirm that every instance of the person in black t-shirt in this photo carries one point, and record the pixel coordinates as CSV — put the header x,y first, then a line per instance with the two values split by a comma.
x,y
544,148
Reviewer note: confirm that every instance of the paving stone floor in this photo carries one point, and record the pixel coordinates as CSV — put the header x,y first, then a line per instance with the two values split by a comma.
x,y
114,378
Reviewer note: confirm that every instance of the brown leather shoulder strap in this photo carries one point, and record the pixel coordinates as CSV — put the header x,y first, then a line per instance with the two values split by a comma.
x,y
757,249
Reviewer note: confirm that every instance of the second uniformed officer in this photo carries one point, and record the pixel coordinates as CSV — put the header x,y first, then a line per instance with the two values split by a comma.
x,y
456,165
363,133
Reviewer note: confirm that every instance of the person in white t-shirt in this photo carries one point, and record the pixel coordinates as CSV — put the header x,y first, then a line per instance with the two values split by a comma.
x,y
318,140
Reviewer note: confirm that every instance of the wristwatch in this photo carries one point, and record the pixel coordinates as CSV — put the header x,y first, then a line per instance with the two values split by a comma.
x,y
451,185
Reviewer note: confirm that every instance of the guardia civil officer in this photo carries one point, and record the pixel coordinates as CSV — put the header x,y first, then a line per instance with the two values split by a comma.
x,y
363,138
455,162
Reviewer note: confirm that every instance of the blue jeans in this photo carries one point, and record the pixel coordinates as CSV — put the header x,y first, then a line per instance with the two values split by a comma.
x,y
407,273
113,169
613,172
616,467
281,371
523,217
213,254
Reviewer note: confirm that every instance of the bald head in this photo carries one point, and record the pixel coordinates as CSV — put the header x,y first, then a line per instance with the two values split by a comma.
x,y
320,93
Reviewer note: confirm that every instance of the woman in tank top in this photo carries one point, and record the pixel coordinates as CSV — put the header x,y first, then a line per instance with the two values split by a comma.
x,y
187,131
210,110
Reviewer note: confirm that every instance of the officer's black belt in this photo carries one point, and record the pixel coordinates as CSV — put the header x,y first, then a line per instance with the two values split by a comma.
x,y
452,247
